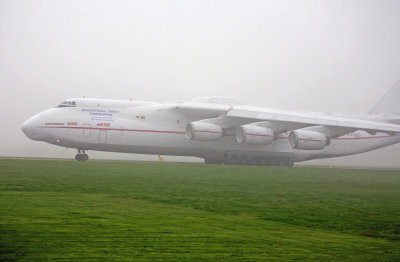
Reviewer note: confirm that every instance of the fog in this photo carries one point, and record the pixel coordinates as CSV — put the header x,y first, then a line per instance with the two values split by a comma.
x,y
316,55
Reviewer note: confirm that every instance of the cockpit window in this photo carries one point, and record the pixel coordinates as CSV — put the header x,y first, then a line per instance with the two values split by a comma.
x,y
67,104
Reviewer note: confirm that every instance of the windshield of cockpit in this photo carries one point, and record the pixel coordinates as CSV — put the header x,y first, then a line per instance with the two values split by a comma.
x,y
67,104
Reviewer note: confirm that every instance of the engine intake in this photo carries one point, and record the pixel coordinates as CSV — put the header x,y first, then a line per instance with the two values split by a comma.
x,y
255,135
307,140
201,131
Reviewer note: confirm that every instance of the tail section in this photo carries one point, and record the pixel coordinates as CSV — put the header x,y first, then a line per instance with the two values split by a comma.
x,y
389,105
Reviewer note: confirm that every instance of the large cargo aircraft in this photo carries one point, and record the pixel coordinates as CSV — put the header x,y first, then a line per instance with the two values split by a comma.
x,y
219,129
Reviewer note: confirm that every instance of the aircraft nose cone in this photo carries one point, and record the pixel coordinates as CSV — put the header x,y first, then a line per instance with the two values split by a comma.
x,y
28,127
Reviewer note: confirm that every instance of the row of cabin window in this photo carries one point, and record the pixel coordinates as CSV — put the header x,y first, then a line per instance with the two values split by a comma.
x,y
67,104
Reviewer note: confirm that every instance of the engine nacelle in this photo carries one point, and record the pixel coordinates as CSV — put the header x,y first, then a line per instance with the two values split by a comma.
x,y
201,131
254,135
307,140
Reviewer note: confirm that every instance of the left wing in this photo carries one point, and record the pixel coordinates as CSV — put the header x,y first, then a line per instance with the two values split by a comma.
x,y
254,125
298,120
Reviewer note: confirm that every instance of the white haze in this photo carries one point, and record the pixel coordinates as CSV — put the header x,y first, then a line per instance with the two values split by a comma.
x,y
316,55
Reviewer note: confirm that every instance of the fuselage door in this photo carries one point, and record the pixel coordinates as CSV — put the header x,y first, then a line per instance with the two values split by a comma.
x,y
103,137
87,130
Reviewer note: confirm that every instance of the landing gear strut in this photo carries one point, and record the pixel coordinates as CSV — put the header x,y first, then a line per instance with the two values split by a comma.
x,y
81,156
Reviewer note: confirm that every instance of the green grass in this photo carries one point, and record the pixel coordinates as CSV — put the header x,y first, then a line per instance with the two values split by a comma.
x,y
121,211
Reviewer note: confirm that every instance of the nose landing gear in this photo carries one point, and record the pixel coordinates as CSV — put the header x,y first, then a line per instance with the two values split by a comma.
x,y
81,156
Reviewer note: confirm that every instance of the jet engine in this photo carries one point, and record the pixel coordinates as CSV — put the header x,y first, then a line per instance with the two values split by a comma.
x,y
201,131
307,140
255,135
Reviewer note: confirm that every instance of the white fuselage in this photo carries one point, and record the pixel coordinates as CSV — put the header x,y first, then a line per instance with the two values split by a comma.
x,y
155,128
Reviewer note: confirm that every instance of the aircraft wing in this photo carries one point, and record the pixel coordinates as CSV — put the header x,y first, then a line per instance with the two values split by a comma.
x,y
296,120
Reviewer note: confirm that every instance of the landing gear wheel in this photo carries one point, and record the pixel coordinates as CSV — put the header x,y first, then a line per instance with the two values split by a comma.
x,y
276,162
85,157
81,157
212,161
280,162
289,163
233,160
268,162
264,161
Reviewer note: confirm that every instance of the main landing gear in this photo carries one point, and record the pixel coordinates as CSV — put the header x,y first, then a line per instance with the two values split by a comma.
x,y
81,156
251,161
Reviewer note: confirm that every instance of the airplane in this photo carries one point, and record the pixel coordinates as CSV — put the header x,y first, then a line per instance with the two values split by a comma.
x,y
221,130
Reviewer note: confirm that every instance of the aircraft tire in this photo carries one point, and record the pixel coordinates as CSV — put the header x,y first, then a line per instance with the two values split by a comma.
x,y
210,161
280,162
245,161
289,163
276,162
264,161
228,161
255,161
81,157
268,162
233,160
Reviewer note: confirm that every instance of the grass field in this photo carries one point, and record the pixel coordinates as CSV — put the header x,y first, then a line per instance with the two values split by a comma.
x,y
125,211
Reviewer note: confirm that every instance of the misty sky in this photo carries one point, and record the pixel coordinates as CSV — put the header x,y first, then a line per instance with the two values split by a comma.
x,y
316,55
